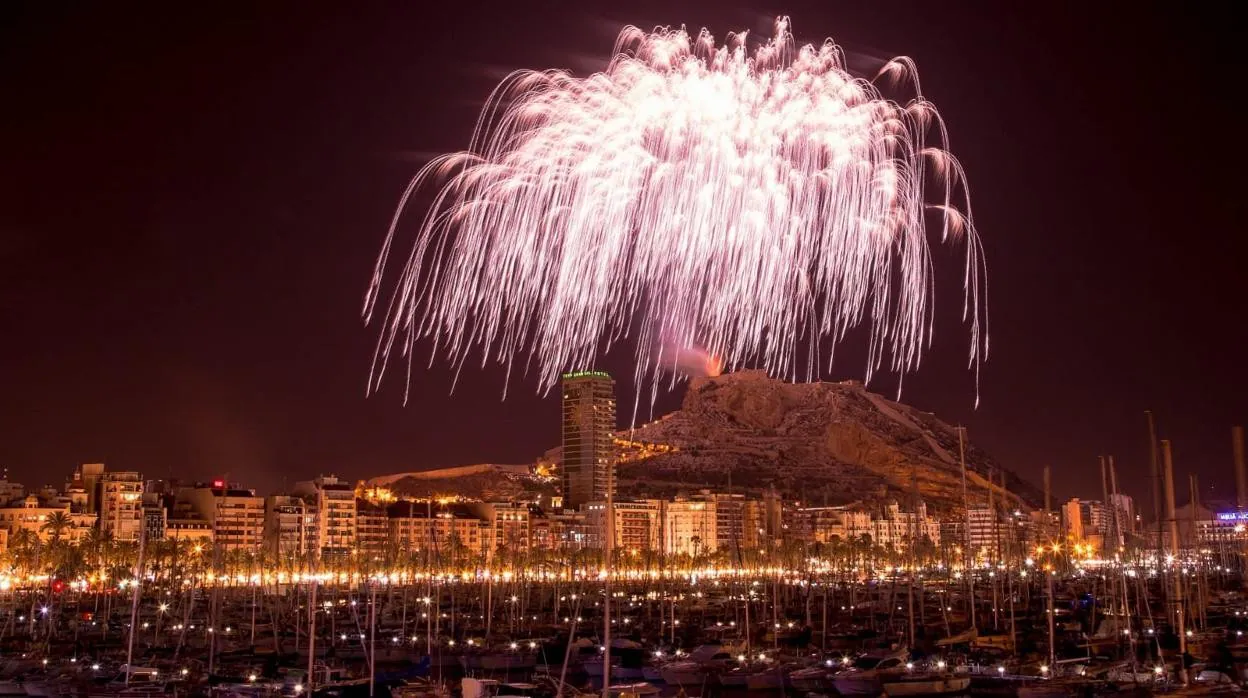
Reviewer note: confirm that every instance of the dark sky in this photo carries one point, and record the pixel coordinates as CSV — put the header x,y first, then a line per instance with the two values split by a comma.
x,y
191,200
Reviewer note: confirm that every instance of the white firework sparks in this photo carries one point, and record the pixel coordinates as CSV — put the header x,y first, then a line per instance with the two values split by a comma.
x,y
754,205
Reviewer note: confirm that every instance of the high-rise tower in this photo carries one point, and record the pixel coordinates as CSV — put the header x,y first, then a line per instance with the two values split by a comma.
x,y
589,453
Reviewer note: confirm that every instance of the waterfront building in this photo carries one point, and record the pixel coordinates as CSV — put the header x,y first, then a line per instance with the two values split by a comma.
x,y
589,451
1086,521
32,514
689,527
567,530
236,515
76,492
899,530
983,533
1222,527
738,520
509,524
1045,528
186,527
91,474
289,526
333,502
772,528
829,524
11,491
559,530
638,525
155,516
120,505
440,529
372,527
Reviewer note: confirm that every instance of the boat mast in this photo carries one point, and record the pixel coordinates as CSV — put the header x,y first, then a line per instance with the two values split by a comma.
x,y
1122,571
372,638
1049,583
1011,538
996,550
967,567
134,598
1175,552
914,526
1048,573
430,609
310,678
1155,478
1120,535
606,597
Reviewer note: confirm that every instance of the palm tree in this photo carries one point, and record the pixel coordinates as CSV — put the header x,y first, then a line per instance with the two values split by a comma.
x,y
865,545
97,543
55,524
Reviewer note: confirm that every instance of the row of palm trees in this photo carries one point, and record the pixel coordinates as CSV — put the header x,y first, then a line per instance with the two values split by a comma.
x,y
98,558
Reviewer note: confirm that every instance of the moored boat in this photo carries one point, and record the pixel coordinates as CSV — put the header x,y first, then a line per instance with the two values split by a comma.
x,y
924,684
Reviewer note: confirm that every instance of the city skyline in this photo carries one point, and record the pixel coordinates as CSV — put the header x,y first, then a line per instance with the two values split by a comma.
x,y
329,520
186,301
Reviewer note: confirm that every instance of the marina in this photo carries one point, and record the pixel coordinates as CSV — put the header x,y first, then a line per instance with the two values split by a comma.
x,y
1047,624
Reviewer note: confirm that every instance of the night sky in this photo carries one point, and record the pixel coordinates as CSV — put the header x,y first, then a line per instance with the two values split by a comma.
x,y
191,204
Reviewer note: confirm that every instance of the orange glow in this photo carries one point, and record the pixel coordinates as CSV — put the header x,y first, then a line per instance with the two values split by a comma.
x,y
714,366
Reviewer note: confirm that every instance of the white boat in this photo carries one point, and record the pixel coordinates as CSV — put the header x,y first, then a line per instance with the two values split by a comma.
x,y
702,662
865,676
813,678
1212,676
866,683
142,681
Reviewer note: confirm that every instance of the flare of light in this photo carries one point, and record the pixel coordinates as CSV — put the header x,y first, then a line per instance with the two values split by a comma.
x,y
752,205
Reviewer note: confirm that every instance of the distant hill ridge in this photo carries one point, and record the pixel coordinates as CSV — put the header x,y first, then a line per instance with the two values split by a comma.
x,y
452,472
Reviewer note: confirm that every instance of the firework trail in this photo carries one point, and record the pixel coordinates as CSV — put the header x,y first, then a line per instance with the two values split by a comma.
x,y
752,205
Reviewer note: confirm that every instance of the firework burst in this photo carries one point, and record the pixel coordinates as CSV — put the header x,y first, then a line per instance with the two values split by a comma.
x,y
754,205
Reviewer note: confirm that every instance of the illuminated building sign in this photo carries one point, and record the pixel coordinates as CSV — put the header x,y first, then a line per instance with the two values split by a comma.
x,y
1233,516
587,374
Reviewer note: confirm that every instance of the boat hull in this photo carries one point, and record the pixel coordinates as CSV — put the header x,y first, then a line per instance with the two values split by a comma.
x,y
765,681
933,686
858,685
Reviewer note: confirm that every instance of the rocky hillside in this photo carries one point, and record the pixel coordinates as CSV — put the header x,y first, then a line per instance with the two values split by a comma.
x,y
815,442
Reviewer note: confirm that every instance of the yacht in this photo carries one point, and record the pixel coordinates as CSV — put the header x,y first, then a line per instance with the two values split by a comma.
x,y
705,661
865,676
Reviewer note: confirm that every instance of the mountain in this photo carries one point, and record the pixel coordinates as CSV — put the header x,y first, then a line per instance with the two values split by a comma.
x,y
817,443
814,442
